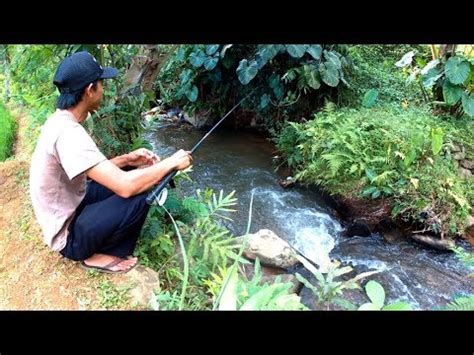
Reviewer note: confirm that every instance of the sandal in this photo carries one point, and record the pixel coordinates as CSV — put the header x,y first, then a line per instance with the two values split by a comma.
x,y
107,268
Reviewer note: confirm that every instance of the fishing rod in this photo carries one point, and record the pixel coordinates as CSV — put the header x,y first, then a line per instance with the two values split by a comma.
x,y
160,193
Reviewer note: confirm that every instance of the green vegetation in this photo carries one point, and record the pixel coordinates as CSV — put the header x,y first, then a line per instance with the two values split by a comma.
x,y
374,122
7,132
403,155
376,294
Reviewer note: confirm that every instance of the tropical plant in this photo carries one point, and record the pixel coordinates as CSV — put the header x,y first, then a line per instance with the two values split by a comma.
x,y
376,294
329,290
453,76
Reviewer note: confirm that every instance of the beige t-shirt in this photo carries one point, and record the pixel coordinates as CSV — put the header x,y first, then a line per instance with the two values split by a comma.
x,y
63,153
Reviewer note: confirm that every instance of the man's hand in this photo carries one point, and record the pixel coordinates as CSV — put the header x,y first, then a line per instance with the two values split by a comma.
x,y
142,158
182,159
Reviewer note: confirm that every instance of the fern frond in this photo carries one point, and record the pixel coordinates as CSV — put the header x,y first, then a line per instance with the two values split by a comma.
x,y
461,304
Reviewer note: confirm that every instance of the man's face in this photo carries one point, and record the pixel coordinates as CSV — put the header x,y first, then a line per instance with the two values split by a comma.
x,y
95,96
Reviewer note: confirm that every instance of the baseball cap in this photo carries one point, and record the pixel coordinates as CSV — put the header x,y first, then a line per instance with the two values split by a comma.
x,y
78,70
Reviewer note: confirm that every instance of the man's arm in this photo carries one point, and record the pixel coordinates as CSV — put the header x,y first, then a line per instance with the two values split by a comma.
x,y
120,161
130,183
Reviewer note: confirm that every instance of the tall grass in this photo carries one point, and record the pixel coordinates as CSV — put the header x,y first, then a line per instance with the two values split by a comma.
x,y
7,132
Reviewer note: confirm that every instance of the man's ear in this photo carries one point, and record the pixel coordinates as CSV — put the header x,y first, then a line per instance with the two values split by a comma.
x,y
89,89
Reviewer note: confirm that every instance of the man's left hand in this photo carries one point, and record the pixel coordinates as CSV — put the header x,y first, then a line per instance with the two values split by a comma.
x,y
142,158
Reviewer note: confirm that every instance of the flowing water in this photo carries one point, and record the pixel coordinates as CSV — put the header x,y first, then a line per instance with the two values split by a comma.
x,y
242,161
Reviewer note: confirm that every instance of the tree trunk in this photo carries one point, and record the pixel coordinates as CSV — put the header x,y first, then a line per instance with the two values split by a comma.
x,y
447,50
144,69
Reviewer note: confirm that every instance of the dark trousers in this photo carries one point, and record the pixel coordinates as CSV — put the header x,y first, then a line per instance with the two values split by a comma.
x,y
105,223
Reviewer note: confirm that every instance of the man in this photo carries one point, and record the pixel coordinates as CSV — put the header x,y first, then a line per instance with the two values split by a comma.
x,y
96,222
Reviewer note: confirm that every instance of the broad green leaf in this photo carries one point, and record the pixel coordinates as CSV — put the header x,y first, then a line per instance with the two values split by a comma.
x,y
228,299
457,70
437,135
192,93
313,79
180,54
185,75
264,100
430,78
246,71
278,91
376,293
329,73
369,307
274,81
197,58
315,51
468,103
211,49
370,174
296,50
397,306
406,60
333,58
376,194
452,93
264,54
370,98
210,62
432,64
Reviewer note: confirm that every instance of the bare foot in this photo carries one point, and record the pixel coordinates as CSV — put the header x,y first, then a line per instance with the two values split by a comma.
x,y
102,260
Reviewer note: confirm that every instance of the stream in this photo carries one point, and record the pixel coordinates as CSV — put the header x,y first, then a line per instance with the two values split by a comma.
x,y
242,161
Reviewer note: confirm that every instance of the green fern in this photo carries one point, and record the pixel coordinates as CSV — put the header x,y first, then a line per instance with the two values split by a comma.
x,y
461,304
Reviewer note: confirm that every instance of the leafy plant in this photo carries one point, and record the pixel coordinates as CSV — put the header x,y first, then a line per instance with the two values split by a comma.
x,y
465,303
452,76
403,156
283,77
329,290
251,295
376,294
370,98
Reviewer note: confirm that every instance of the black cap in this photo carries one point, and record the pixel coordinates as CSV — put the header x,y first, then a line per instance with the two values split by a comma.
x,y
79,70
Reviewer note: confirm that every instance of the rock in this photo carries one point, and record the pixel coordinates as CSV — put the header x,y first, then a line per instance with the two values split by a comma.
x,y
464,173
249,270
456,148
440,244
468,164
469,234
289,181
357,229
270,249
143,281
198,119
393,235
459,156
470,221
469,231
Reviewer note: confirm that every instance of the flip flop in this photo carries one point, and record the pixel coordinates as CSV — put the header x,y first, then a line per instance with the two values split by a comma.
x,y
106,268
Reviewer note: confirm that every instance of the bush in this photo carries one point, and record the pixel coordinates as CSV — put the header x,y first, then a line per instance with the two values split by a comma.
x,y
402,155
374,69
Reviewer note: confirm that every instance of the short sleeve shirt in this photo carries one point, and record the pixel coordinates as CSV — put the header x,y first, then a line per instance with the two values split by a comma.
x,y
63,153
